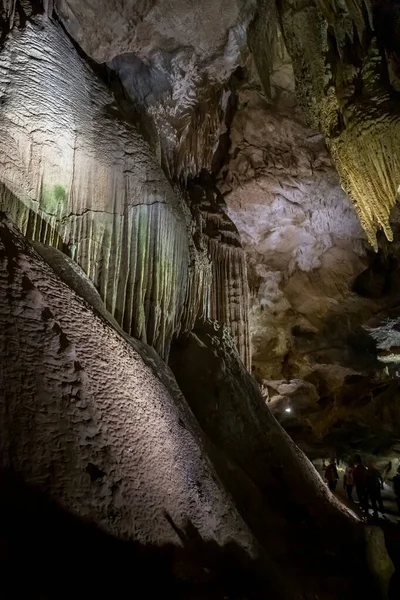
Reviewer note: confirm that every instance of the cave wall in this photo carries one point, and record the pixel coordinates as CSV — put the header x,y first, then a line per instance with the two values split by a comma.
x,y
103,436
76,176
82,174
303,242
314,282
229,291
88,182
261,201
86,421
173,59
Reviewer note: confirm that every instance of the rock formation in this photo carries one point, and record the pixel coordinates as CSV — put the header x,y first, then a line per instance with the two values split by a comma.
x,y
345,57
81,173
129,455
173,221
86,387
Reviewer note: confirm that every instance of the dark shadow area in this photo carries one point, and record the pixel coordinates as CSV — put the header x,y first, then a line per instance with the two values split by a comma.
x,y
48,553
301,531
379,279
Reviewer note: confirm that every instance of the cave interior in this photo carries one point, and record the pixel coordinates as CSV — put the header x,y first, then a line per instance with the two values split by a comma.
x,y
200,299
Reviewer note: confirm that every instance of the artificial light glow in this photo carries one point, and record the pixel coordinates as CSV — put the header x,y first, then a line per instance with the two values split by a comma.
x,y
288,409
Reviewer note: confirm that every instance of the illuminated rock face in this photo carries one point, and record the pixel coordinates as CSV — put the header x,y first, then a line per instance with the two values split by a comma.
x,y
103,427
345,57
312,281
82,175
302,238
103,436
97,430
88,181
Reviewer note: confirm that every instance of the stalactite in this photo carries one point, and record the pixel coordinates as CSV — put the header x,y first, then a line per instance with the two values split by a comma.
x,y
348,97
229,294
88,183
368,162
229,302
365,149
84,177
9,10
189,136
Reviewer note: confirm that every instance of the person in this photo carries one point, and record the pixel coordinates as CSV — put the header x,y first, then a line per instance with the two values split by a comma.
x,y
374,483
331,475
348,480
396,488
359,477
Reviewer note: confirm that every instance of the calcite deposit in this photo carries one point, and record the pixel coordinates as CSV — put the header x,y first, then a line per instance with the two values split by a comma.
x,y
102,433
199,249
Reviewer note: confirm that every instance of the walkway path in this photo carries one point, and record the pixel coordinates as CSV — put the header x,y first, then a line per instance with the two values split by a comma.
x,y
389,521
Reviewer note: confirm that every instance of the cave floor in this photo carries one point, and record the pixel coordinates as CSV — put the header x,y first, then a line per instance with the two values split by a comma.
x,y
389,517
389,521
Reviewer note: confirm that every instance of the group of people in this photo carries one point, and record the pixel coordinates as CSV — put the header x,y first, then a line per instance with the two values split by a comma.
x,y
367,481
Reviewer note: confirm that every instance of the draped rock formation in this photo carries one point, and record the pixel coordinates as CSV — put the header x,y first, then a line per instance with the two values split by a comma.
x,y
156,156
346,57
87,180
129,231
81,174
229,287
128,454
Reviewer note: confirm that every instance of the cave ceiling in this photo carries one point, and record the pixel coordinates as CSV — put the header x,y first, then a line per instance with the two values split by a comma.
x,y
268,142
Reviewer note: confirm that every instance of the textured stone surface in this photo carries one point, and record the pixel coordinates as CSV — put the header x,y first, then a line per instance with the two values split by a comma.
x,y
173,58
99,433
88,183
86,421
145,27
345,57
81,174
228,405
229,292
121,447
133,234
378,559
303,242
313,283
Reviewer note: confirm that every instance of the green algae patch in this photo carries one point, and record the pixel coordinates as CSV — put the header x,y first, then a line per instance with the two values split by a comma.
x,y
53,199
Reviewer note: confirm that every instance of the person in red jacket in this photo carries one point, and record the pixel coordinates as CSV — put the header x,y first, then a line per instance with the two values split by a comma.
x,y
360,482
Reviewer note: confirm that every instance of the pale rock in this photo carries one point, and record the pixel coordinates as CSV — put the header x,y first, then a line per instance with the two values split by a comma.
x,y
82,179
97,430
